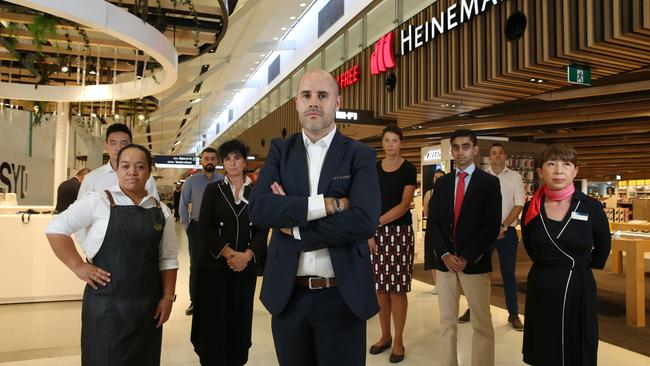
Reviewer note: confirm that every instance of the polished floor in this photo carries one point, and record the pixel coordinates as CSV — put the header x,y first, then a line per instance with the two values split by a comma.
x,y
47,334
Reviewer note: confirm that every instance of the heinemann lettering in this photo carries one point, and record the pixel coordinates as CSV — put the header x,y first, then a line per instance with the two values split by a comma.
x,y
414,37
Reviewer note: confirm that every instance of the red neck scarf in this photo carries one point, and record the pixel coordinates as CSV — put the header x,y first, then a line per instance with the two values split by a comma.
x,y
536,203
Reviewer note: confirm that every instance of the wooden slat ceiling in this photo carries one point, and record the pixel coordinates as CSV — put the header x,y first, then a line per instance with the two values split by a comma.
x,y
487,78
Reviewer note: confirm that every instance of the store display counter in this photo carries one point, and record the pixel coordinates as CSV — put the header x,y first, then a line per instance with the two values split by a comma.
x,y
29,270
635,245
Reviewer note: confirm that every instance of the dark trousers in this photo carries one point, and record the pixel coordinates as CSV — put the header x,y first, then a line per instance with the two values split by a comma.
x,y
318,329
193,245
507,250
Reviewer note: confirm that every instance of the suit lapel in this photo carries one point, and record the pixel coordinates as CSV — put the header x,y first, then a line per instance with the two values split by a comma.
x,y
299,167
335,154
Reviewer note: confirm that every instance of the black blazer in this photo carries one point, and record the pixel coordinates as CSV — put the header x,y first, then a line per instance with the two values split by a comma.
x,y
348,171
478,223
221,222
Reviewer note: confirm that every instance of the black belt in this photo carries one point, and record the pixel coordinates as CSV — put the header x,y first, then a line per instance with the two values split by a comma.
x,y
315,283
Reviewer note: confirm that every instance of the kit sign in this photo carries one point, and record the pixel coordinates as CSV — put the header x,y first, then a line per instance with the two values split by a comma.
x,y
383,57
413,37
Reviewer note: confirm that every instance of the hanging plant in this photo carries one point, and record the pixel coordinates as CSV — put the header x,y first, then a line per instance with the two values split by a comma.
x,y
42,28
195,17
39,114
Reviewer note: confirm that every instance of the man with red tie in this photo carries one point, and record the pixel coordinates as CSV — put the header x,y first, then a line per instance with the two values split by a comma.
x,y
464,219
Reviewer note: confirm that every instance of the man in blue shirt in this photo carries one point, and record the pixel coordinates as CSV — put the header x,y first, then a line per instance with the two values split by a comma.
x,y
190,207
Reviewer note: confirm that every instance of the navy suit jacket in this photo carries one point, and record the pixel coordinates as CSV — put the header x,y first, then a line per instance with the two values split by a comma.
x,y
348,171
478,222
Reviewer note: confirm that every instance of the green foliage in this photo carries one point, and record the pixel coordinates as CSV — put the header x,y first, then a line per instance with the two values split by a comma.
x,y
43,28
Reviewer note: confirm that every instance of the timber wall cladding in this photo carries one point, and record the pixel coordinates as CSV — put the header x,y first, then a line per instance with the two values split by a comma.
x,y
474,66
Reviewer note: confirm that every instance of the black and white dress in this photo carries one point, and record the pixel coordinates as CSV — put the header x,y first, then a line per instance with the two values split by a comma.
x,y
561,327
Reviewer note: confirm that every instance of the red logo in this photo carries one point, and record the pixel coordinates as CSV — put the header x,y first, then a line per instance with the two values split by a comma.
x,y
383,57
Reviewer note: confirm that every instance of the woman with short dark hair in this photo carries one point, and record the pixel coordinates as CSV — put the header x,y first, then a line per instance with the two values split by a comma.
x,y
566,234
230,246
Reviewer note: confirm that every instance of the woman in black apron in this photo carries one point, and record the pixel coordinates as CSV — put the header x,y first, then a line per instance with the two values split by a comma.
x,y
566,234
131,276
227,261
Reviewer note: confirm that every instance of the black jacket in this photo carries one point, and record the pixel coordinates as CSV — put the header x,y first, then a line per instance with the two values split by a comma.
x,y
221,222
478,223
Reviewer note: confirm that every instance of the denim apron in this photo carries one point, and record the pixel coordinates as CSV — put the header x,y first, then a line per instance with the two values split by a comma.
x,y
118,325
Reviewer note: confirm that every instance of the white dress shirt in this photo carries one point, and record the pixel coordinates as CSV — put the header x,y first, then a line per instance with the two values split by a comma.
x,y
92,212
512,191
240,197
317,262
105,177
469,170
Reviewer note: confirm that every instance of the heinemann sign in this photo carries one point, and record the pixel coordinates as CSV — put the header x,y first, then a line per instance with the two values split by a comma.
x,y
414,37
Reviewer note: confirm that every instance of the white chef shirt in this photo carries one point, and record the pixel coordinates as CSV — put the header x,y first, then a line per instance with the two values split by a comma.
x,y
92,212
105,177
317,262
512,191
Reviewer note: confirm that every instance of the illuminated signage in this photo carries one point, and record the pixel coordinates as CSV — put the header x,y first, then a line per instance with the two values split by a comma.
x,y
178,161
383,57
432,155
413,37
348,77
347,116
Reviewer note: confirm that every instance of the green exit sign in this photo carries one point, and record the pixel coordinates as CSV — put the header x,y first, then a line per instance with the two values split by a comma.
x,y
579,74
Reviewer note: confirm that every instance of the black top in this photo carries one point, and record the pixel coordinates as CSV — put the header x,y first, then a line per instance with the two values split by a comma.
x,y
587,240
392,186
66,193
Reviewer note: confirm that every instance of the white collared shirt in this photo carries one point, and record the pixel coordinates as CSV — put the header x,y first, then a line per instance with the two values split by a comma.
x,y
240,197
317,262
105,177
512,191
92,212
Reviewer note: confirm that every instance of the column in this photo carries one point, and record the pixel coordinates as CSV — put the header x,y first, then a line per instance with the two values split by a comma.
x,y
61,145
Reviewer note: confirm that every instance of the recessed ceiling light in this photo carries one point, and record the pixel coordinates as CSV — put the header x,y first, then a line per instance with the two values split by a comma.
x,y
283,28
65,69
117,116
251,69
533,80
248,75
274,38
257,62
302,5
243,79
261,55
93,115
292,18
540,80
141,117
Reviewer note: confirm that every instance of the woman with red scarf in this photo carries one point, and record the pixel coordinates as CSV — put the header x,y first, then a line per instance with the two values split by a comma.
x,y
566,234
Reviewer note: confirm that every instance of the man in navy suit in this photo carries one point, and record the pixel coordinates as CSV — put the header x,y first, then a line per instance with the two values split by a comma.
x,y
464,220
319,193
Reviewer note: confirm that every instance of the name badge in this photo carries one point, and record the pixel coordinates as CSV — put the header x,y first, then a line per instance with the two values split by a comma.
x,y
579,216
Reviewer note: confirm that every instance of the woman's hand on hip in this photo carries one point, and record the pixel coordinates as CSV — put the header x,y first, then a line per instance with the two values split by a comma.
x,y
163,310
92,274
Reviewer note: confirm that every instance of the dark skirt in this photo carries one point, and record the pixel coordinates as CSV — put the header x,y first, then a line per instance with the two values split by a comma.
x,y
223,315
393,264
555,328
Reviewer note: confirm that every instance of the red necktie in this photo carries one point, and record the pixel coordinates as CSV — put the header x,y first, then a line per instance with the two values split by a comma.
x,y
460,194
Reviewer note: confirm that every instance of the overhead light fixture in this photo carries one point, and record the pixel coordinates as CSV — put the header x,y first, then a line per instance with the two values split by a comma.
x,y
93,115
65,68
283,28
250,157
117,116
194,101
292,18
302,5
262,55
257,62
275,38
252,68
141,117
177,143
92,70
247,75
540,80
243,80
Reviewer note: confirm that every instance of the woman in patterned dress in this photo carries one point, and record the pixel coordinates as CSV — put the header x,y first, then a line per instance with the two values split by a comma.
x,y
392,245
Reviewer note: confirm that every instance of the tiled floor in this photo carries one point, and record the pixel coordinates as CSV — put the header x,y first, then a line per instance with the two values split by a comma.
x,y
47,334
